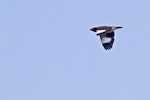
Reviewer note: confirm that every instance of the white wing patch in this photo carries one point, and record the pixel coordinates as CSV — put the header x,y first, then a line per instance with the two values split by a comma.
x,y
105,40
100,31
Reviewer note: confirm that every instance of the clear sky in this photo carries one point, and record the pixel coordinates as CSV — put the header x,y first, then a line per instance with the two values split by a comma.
x,y
48,53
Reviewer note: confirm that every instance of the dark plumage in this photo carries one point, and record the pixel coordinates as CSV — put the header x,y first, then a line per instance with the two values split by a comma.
x,y
106,34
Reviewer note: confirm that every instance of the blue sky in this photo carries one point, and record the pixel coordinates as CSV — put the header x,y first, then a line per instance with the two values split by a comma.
x,y
48,53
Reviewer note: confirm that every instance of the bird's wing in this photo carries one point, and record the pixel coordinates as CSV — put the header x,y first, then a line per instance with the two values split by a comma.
x,y
107,40
98,32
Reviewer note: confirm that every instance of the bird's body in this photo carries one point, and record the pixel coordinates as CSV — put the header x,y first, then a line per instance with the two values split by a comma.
x,y
106,34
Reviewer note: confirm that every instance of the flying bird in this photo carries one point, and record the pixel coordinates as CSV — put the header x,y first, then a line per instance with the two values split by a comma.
x,y
106,34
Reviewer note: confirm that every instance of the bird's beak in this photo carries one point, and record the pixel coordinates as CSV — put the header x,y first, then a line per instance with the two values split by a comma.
x,y
91,29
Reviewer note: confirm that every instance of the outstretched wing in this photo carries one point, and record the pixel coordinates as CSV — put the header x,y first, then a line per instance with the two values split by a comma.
x,y
107,40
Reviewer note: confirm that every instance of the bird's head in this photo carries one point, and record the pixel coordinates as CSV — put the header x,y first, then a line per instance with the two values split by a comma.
x,y
93,29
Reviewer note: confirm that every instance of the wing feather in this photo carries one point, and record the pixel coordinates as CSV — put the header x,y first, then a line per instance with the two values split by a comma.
x,y
107,40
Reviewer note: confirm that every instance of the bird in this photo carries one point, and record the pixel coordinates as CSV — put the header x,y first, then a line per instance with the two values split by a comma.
x,y
106,34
